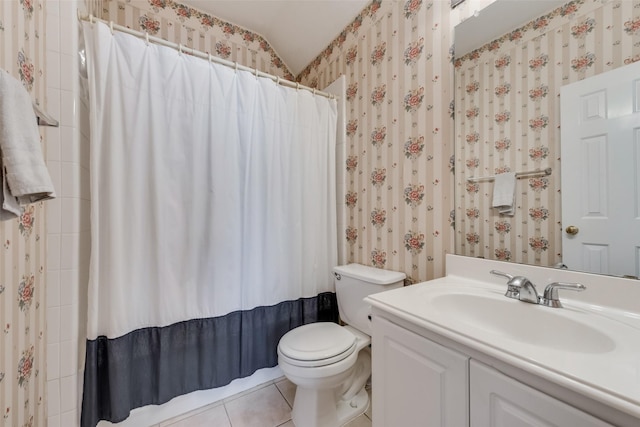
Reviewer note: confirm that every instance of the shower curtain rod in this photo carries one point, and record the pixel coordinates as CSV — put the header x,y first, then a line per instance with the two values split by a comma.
x,y
203,55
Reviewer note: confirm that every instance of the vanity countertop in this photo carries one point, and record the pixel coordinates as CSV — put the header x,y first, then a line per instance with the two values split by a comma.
x,y
591,349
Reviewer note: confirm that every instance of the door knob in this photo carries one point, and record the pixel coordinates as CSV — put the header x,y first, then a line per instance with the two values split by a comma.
x,y
572,229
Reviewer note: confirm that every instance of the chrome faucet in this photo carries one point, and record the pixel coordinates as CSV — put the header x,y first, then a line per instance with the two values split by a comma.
x,y
519,287
550,296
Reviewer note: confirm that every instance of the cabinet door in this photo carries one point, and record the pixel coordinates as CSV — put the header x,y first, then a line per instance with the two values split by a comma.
x,y
416,382
500,401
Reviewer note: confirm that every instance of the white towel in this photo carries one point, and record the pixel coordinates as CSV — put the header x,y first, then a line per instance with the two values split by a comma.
x,y
504,193
25,178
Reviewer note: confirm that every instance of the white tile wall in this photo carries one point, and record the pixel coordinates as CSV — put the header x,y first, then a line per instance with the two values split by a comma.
x,y
67,216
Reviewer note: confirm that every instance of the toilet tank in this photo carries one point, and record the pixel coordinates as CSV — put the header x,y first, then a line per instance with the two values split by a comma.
x,y
354,282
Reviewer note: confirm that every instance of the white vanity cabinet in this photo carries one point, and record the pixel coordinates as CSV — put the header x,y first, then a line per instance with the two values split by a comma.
x,y
500,401
420,383
417,382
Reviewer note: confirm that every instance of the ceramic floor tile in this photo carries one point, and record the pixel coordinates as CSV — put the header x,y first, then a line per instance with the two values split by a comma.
x,y
249,391
361,421
214,417
288,390
174,420
263,408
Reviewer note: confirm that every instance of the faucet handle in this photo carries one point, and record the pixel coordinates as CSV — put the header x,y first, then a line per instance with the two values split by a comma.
x,y
501,274
550,296
513,289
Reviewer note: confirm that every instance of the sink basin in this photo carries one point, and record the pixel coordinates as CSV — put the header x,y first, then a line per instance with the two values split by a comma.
x,y
523,322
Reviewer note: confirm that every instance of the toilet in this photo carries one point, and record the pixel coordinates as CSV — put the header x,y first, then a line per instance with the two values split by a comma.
x,y
330,364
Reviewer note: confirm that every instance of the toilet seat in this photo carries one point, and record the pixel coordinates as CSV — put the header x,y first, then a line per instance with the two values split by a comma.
x,y
316,344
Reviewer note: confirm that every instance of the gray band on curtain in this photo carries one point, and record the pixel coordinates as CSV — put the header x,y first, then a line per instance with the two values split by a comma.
x,y
153,365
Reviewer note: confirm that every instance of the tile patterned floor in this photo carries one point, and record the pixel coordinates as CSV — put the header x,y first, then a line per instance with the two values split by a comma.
x,y
267,405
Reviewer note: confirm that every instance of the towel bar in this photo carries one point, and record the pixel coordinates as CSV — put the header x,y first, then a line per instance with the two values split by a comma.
x,y
544,172
43,118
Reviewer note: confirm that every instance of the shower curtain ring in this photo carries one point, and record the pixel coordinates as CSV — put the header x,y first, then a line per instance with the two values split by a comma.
x,y
210,59
314,91
256,72
111,26
90,18
278,80
146,38
180,48
235,66
297,85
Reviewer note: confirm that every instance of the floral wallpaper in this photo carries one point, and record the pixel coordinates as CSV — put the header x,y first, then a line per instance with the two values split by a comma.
x,y
396,57
179,23
22,245
508,119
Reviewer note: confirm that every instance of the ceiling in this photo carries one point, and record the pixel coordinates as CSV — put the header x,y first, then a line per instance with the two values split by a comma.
x,y
298,30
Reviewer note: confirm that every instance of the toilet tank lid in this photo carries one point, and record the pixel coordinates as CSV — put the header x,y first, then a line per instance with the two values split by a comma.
x,y
373,275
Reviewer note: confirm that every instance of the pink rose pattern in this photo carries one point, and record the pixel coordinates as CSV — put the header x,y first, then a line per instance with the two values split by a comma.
x,y
352,163
502,145
413,52
413,147
378,94
413,100
149,25
502,90
632,27
26,70
414,242
378,217
378,258
377,56
25,292
352,91
352,127
223,49
25,366
413,194
378,176
27,6
378,136
26,221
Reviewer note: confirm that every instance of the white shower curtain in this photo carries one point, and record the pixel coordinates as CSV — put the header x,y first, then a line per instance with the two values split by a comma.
x,y
213,194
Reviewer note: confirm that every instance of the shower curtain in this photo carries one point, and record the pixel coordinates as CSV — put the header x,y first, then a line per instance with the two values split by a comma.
x,y
212,218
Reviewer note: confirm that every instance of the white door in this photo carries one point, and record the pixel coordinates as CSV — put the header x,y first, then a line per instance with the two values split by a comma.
x,y
600,153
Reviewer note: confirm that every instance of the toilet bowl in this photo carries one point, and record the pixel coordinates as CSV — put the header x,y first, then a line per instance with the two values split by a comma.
x,y
330,364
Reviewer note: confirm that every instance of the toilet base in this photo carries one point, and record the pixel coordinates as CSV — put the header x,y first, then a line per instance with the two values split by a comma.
x,y
331,414
357,406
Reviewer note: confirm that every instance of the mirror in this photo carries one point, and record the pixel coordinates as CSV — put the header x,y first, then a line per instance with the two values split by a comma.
x,y
511,60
